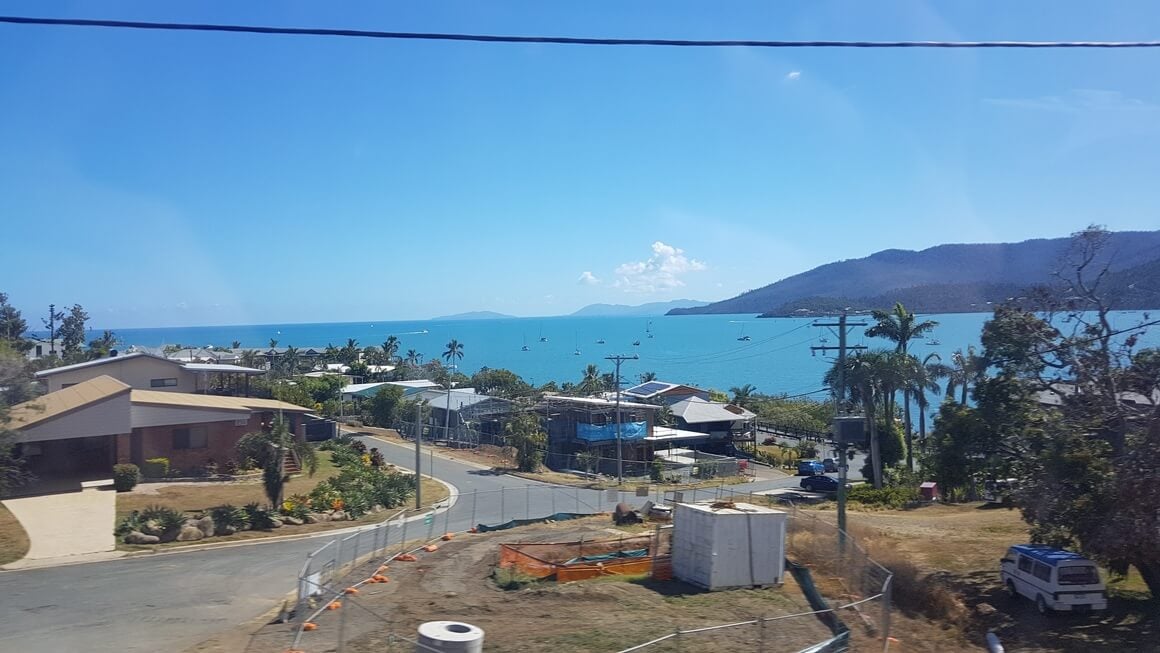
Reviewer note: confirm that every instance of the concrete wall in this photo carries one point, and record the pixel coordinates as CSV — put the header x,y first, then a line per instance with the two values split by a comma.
x,y
135,371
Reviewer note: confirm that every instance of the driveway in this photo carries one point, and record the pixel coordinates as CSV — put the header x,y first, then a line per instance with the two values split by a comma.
x,y
64,524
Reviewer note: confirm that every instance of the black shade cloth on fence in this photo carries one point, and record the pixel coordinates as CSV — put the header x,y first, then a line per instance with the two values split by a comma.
x,y
560,516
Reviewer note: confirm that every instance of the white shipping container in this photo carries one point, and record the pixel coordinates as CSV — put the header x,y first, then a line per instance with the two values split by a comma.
x,y
724,548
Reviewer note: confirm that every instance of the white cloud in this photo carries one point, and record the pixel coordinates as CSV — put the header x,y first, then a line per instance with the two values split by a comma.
x,y
588,279
660,272
793,75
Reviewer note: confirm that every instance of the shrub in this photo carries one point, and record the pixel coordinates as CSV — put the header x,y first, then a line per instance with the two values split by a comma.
x,y
232,516
259,518
889,497
296,505
168,519
155,468
126,477
131,522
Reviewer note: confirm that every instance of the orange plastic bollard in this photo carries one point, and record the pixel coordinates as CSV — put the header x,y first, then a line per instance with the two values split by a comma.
x,y
350,590
431,548
379,578
382,568
447,537
334,605
473,530
406,557
309,625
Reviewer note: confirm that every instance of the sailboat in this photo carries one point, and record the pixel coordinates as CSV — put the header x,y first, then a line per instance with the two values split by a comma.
x,y
648,329
933,342
543,338
577,352
743,337
600,342
525,347
635,343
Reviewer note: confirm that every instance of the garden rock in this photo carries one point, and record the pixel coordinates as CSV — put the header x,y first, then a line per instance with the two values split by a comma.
x,y
224,529
189,534
205,525
275,522
338,515
292,520
316,518
137,537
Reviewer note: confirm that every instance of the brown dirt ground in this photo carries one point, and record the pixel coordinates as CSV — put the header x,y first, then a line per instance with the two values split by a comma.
x,y
588,616
13,540
957,548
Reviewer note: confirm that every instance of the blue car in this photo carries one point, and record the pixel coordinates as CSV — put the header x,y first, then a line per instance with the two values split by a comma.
x,y
820,484
810,468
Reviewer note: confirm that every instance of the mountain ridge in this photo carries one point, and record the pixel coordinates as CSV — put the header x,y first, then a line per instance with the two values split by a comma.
x,y
970,265
639,310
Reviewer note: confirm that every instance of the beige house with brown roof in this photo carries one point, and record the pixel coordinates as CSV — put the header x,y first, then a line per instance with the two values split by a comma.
x,y
148,372
81,431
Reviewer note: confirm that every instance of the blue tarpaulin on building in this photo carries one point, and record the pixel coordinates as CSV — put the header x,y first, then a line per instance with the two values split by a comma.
x,y
595,433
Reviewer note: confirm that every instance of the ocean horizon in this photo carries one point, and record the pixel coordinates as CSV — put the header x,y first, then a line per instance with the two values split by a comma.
x,y
701,350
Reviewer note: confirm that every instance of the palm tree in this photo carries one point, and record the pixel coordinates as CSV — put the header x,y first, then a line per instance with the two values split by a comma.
x,y
869,375
591,383
899,326
291,360
965,370
237,344
925,379
390,348
250,358
743,396
454,352
413,358
648,376
273,343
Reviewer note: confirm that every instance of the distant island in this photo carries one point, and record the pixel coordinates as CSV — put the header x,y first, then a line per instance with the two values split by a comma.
x,y
958,278
475,315
641,310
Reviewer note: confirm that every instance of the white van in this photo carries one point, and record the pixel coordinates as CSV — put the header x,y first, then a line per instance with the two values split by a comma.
x,y
1055,579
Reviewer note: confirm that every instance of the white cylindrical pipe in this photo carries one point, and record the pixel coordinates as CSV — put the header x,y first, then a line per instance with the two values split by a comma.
x,y
449,636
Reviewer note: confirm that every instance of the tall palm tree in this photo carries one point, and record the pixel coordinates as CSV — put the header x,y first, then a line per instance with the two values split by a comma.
x,y
250,358
273,343
390,348
454,352
590,382
413,358
648,376
869,376
965,370
900,327
925,379
743,396
291,359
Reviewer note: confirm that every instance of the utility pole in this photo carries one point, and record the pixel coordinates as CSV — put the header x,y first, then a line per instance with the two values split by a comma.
x,y
843,327
619,449
418,454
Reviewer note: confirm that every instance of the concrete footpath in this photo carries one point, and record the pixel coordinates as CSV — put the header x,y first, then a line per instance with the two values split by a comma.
x,y
67,524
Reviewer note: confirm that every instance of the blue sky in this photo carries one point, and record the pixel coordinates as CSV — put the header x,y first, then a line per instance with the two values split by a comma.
x,y
183,179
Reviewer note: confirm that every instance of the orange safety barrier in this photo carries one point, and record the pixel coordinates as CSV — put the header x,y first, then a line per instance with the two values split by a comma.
x,y
544,560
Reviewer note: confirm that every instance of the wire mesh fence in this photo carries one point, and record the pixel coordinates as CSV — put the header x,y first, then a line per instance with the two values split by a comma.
x,y
847,591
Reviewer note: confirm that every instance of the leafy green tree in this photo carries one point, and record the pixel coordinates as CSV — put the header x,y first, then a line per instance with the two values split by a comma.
x,y
500,383
586,460
12,326
958,443
54,317
645,377
384,406
100,347
523,432
15,387
292,393
72,333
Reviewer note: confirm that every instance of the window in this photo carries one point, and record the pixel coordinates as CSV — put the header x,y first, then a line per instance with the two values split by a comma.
x,y
1025,564
162,383
1084,575
196,437
1042,572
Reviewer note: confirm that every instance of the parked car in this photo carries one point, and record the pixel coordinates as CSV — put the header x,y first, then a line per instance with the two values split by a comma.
x,y
1055,579
830,464
810,468
820,484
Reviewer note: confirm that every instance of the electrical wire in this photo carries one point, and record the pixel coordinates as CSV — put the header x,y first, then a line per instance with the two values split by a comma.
x,y
559,40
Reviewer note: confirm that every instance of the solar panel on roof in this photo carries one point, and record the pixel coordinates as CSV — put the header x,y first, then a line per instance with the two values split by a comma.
x,y
652,387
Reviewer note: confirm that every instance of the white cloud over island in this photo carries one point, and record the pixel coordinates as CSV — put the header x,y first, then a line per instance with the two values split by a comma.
x,y
659,272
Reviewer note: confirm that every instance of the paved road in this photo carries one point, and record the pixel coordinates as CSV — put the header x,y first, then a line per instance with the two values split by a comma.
x,y
174,600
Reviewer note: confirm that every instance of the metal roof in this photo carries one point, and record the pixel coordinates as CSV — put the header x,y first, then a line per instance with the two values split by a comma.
x,y
221,367
456,399
695,410
596,401
1048,555
102,361
55,404
215,402
667,434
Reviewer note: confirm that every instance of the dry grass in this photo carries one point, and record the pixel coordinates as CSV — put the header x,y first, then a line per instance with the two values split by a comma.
x,y
13,540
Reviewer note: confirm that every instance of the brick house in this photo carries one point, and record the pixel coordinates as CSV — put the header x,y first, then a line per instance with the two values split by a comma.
x,y
80,432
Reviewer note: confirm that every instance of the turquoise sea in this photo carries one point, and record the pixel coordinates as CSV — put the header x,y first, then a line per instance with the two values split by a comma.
x,y
701,350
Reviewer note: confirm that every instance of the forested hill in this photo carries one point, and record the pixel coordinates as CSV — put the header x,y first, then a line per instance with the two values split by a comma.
x,y
957,274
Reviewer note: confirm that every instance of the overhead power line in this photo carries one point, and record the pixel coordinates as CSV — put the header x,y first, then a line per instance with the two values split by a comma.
x,y
561,40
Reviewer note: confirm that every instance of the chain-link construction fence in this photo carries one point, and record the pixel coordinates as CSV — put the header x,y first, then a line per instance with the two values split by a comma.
x,y
848,594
